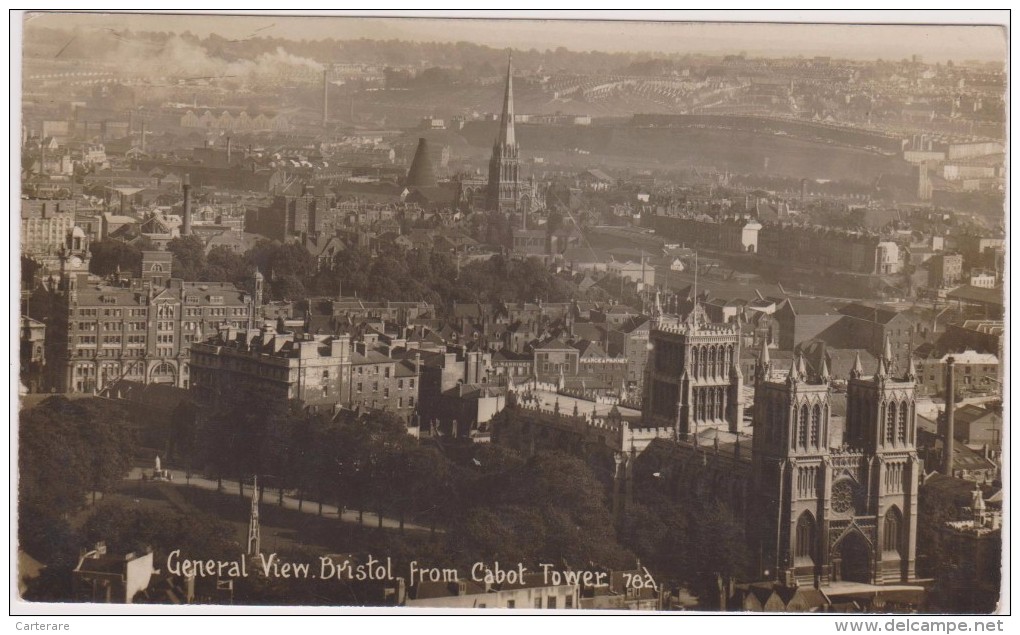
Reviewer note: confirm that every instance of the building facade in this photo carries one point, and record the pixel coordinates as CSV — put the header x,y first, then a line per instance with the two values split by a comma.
x,y
827,514
139,329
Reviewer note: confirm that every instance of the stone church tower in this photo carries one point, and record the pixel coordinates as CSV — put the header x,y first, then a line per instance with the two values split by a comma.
x,y
693,379
834,509
504,188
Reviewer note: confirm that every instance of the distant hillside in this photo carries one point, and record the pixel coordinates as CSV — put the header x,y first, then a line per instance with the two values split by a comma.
x,y
736,151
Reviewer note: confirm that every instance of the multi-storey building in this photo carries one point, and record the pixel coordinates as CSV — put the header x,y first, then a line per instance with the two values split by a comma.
x,y
312,369
945,270
46,225
324,372
381,382
141,329
876,328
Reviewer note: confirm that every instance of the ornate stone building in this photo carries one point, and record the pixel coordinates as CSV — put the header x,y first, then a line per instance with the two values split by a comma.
x,y
99,331
823,513
693,379
504,190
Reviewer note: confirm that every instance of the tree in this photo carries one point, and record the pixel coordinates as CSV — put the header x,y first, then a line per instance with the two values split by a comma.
x,y
109,256
719,548
29,269
66,448
189,257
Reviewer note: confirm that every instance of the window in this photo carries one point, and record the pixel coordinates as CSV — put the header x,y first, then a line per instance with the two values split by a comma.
x,y
386,373
891,530
568,602
400,384
901,431
538,603
511,604
551,603
805,536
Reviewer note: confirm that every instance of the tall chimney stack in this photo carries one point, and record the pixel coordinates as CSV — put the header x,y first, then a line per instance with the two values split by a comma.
x,y
947,444
325,97
186,186
143,136
229,148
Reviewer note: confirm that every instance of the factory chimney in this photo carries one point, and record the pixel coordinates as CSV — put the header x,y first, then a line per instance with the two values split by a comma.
x,y
325,97
229,147
947,442
186,186
142,146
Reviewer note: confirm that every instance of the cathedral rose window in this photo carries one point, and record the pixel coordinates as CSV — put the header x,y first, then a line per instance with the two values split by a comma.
x,y
842,497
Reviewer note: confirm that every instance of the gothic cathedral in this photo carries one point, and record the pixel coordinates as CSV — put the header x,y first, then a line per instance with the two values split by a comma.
x,y
828,514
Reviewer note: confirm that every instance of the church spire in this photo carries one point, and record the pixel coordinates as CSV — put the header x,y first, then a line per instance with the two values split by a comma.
x,y
506,122
505,188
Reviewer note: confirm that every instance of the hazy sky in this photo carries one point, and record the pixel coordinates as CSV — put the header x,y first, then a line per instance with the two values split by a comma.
x,y
888,41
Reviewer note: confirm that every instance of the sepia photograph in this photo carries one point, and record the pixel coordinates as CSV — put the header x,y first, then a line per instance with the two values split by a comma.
x,y
528,314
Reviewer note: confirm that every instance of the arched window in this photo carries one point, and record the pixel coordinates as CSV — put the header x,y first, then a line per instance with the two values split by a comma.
x,y
775,421
719,413
712,354
890,422
802,427
891,530
695,361
804,547
901,432
816,425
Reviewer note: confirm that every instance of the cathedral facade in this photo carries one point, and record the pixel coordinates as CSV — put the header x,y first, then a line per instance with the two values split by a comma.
x,y
827,512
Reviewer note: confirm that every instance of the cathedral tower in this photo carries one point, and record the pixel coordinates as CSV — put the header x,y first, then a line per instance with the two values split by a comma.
x,y
831,509
504,189
693,379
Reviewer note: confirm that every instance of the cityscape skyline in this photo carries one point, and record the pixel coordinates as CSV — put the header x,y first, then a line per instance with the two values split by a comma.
x,y
675,34
403,323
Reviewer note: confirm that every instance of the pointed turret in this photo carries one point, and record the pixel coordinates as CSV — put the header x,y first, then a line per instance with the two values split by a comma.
x,y
857,370
763,366
882,368
887,359
801,367
421,173
911,373
823,372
